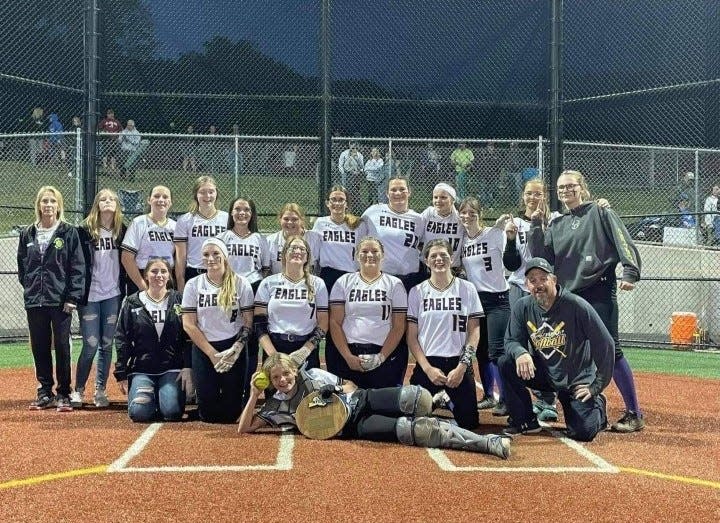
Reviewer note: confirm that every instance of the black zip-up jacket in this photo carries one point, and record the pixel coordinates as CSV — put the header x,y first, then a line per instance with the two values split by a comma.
x,y
139,350
55,277
88,247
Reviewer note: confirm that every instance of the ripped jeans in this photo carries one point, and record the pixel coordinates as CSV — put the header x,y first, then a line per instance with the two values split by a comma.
x,y
98,320
155,396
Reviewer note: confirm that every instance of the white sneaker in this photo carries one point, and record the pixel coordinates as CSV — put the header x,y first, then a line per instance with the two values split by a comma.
x,y
101,399
76,399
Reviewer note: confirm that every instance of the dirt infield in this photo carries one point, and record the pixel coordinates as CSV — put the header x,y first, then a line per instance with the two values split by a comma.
x,y
97,465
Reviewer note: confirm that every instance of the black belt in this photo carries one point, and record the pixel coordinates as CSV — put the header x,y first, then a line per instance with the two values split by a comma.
x,y
289,337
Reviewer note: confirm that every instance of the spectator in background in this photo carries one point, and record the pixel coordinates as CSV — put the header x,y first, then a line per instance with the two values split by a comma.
x,y
131,147
189,148
685,187
36,124
375,174
489,170
57,147
430,163
711,222
462,160
72,143
687,219
290,159
350,165
111,126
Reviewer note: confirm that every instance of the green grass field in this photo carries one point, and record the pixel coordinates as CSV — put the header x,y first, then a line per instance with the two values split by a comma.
x,y
696,364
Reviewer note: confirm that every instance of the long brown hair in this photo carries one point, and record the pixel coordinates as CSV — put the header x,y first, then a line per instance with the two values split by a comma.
x,y
351,220
93,220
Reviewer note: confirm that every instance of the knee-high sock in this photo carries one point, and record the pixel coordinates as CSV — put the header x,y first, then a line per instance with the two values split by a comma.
x,y
623,376
498,382
488,377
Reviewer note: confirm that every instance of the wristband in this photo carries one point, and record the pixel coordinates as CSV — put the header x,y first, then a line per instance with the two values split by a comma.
x,y
243,335
261,325
317,335
468,355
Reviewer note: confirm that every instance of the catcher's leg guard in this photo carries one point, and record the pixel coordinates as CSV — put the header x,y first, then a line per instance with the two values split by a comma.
x,y
433,433
415,401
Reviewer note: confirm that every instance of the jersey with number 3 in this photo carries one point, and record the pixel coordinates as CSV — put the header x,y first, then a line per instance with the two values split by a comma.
x,y
482,260
201,297
442,315
289,307
369,306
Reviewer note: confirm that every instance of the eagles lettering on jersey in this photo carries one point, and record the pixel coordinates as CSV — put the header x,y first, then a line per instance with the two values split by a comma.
x,y
397,223
282,293
475,249
206,231
548,340
106,244
367,295
207,300
339,236
522,237
158,316
442,304
441,228
242,249
160,236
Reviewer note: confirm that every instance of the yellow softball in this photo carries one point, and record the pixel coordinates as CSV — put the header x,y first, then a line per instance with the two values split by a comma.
x,y
261,381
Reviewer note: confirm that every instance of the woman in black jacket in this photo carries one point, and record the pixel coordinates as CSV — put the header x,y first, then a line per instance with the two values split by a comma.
x,y
51,269
152,354
101,235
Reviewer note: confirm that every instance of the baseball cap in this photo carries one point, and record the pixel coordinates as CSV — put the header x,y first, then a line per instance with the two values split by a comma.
x,y
539,263
690,175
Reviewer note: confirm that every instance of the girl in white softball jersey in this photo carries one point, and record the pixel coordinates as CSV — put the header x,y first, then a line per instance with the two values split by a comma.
x,y
367,322
292,223
217,309
443,221
443,331
339,233
291,308
482,260
248,251
401,230
148,236
193,228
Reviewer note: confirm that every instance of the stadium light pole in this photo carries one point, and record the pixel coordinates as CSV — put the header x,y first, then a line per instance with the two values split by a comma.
x,y
326,131
91,102
556,100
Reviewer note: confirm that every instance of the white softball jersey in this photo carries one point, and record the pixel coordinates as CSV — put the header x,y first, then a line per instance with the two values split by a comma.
x,y
523,226
445,228
201,297
276,242
401,235
289,309
194,229
146,239
104,283
156,309
482,260
442,316
337,243
248,255
369,306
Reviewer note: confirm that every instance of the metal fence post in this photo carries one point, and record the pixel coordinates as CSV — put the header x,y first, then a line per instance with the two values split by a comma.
x,y
237,164
540,158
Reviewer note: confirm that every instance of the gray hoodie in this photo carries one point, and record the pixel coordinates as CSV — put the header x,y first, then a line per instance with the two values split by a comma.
x,y
568,342
584,244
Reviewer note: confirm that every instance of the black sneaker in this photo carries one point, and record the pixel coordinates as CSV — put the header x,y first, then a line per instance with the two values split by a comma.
x,y
43,401
630,422
529,427
500,409
63,404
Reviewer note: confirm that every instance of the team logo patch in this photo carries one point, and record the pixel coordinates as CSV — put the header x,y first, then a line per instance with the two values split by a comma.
x,y
177,308
59,243
548,340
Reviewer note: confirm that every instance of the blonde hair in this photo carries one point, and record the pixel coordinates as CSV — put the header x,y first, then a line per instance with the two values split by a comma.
x,y
93,220
279,359
306,266
60,216
227,296
351,220
294,208
203,180
580,180
543,188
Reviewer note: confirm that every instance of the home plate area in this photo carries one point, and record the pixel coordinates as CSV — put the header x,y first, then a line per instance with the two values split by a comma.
x,y
189,448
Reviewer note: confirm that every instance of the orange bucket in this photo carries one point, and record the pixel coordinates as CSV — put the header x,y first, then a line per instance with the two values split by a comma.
x,y
683,327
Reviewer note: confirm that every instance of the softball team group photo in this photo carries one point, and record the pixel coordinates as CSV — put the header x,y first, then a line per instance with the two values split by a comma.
x,y
206,310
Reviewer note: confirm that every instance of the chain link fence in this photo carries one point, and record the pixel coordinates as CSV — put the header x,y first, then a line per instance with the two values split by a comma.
x,y
238,89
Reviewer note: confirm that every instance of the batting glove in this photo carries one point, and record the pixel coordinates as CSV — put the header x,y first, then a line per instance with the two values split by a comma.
x,y
370,362
228,357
